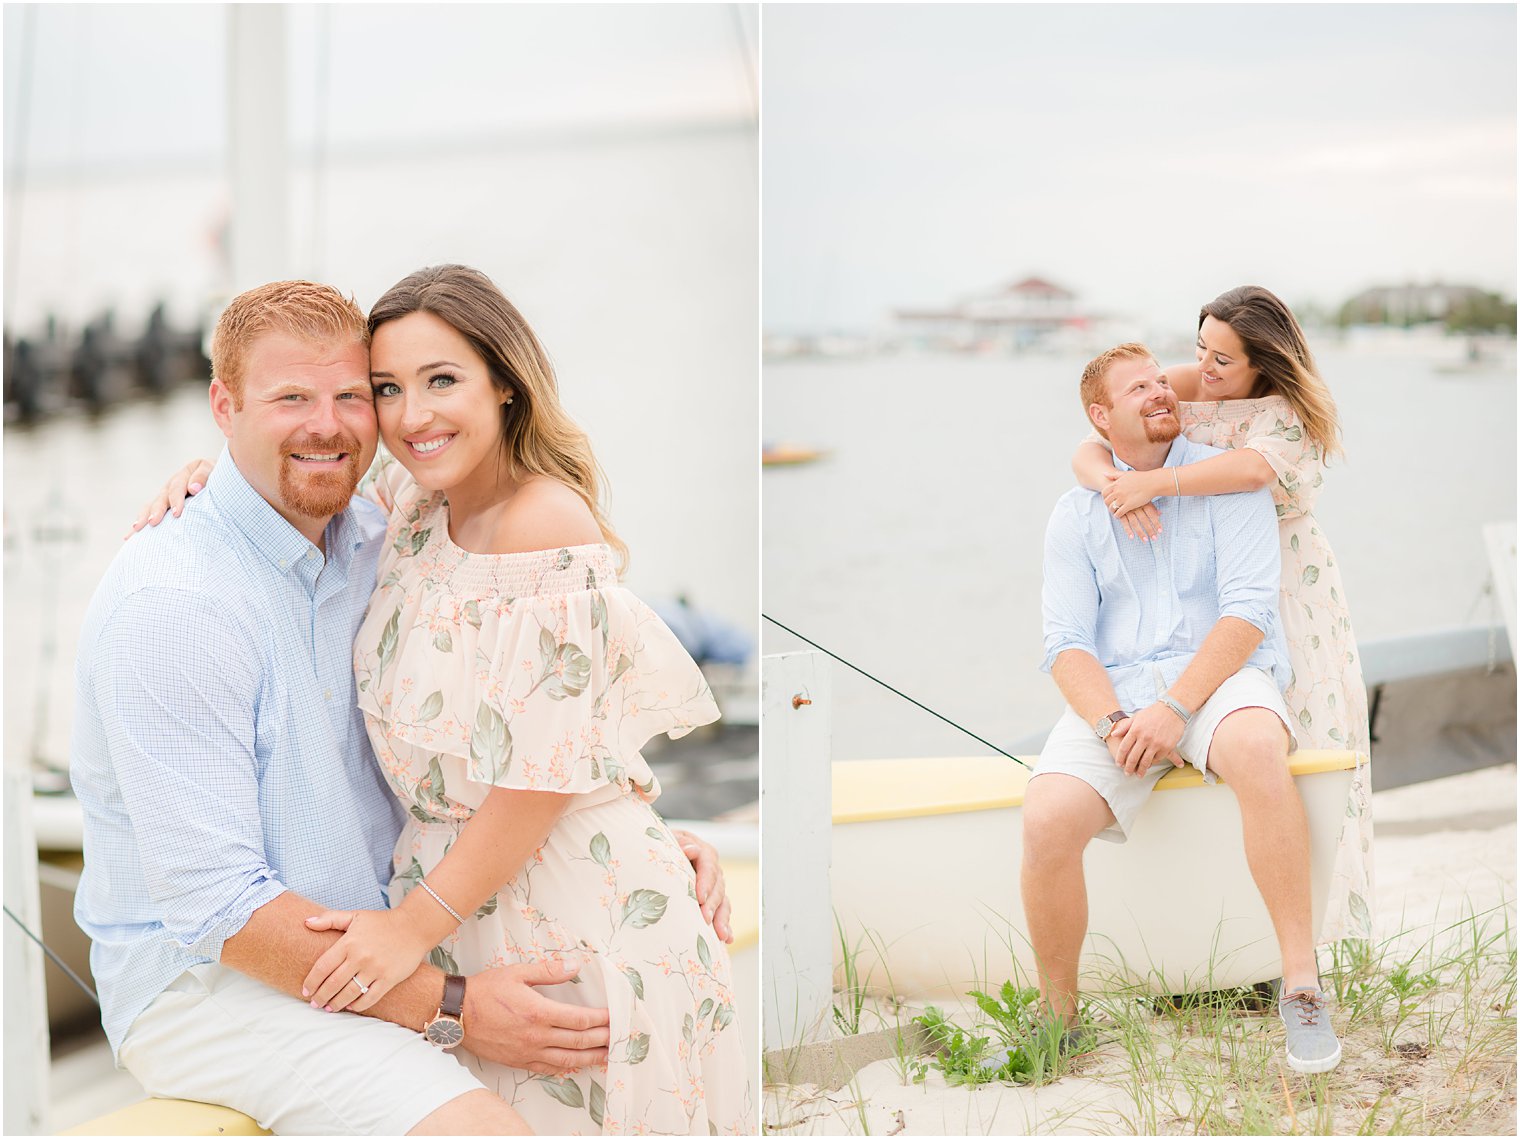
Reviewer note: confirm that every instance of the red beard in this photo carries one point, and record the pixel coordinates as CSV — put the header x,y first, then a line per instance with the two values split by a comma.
x,y
320,494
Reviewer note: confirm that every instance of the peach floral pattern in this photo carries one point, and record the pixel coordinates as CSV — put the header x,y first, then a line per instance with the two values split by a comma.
x,y
1327,695
538,671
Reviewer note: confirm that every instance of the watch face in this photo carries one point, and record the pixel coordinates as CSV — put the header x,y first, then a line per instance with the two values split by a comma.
x,y
444,1031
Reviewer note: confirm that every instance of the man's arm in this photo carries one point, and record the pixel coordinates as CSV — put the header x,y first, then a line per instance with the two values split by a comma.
x,y
1085,684
505,1019
1069,602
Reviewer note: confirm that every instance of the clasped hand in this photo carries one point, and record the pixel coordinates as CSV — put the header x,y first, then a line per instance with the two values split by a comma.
x,y
1148,736
1128,497
380,947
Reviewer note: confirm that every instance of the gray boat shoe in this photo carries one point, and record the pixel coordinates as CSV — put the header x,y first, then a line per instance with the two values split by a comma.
x,y
1311,1044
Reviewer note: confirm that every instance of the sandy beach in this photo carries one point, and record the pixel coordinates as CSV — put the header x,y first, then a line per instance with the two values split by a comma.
x,y
1427,1020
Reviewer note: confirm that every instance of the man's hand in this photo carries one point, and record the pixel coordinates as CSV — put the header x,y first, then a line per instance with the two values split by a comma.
x,y
506,1020
1151,734
711,895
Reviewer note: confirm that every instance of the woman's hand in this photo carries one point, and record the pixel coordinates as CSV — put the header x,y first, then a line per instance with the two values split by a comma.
x,y
1128,498
188,480
381,948
711,895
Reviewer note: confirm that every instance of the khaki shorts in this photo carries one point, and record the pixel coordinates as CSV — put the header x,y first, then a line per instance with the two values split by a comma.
x,y
217,1036
1074,749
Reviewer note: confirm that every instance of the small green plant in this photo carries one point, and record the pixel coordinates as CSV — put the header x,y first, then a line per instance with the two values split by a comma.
x,y
958,1053
1012,1012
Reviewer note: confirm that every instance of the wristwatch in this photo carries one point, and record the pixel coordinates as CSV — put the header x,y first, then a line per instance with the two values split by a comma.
x,y
446,1029
1106,725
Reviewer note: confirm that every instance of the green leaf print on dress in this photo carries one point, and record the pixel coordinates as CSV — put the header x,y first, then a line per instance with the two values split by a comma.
x,y
431,707
564,1089
388,637
490,745
638,1047
570,674
635,980
598,1105
601,849
644,907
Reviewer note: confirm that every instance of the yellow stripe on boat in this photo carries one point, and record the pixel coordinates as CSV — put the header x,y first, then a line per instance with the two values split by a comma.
x,y
170,1117
741,881
870,790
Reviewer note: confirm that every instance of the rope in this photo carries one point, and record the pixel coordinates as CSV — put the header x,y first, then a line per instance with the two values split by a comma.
x,y
895,692
53,957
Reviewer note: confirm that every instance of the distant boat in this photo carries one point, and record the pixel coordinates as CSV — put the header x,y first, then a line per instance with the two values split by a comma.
x,y
789,455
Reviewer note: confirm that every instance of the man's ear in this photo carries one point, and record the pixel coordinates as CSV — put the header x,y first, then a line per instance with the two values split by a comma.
x,y
221,407
1099,416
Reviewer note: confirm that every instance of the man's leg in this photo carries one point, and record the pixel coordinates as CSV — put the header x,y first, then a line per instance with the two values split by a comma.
x,y
1250,753
1061,815
475,1113
218,1036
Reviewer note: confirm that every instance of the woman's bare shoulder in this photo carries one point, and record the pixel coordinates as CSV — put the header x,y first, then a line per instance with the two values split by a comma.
x,y
545,514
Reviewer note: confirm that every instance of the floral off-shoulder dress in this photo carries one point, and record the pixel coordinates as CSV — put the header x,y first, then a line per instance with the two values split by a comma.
x,y
537,671
1327,696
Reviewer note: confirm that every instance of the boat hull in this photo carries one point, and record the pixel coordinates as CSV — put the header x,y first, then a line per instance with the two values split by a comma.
x,y
925,880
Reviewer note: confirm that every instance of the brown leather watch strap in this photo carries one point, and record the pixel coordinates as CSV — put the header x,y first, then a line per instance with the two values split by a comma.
x,y
453,996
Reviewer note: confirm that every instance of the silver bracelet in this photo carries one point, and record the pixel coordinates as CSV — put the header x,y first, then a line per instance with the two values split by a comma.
x,y
1162,699
453,913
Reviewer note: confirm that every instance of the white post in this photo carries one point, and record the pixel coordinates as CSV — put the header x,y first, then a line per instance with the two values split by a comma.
x,y
1500,539
796,809
257,240
26,1024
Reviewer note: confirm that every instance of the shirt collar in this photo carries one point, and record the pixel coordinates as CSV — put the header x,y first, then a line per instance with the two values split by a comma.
x,y
1174,457
267,529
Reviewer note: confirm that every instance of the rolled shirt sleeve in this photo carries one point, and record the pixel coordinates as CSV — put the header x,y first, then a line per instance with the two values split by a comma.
x,y
176,681
1069,593
1248,558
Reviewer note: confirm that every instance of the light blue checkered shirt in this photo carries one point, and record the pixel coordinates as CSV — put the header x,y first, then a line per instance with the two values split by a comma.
x,y
1143,609
217,749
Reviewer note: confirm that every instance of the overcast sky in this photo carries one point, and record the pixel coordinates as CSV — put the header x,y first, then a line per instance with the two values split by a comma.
x,y
107,84
1148,156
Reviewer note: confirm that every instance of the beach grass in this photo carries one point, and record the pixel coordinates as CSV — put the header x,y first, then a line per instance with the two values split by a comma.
x,y
1426,1019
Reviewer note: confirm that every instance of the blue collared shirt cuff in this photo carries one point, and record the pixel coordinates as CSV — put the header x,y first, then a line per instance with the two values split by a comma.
x,y
1262,616
1052,653
207,940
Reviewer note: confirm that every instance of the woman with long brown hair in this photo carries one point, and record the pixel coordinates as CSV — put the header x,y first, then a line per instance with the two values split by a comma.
x,y
1255,392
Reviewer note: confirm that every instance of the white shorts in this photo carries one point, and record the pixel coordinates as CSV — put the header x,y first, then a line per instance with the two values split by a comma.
x,y
218,1036
1074,749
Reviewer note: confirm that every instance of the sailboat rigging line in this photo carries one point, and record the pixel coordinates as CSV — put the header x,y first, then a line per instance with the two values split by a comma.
x,y
53,957
895,692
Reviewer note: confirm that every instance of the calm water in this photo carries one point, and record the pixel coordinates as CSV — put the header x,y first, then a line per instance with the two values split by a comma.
x,y
914,550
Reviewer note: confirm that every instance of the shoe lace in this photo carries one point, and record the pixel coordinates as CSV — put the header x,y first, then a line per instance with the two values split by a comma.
x,y
1307,1006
